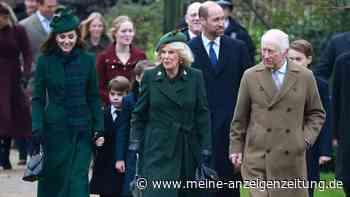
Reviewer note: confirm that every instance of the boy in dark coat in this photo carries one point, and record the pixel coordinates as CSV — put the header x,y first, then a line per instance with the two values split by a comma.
x,y
109,165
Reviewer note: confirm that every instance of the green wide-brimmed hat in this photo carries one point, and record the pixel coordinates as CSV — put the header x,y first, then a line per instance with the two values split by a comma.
x,y
173,36
64,20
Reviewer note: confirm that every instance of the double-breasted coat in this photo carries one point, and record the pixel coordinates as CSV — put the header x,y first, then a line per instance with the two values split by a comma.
x,y
171,119
109,66
14,106
67,121
222,89
270,126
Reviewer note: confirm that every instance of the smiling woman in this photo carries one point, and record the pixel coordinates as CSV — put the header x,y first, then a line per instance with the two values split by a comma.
x,y
64,126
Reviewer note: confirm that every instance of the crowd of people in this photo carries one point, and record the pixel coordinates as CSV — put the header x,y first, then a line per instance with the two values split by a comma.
x,y
86,94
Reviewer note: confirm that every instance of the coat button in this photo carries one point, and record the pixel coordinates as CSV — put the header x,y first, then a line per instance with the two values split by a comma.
x,y
263,156
287,130
269,109
289,109
268,151
261,88
269,130
286,152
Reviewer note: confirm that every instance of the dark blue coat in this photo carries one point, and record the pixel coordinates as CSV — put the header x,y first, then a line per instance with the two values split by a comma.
x,y
222,89
105,178
323,144
341,111
339,44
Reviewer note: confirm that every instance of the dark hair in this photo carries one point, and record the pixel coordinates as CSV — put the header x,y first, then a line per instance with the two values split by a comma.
x,y
41,2
302,46
3,9
203,11
119,83
51,44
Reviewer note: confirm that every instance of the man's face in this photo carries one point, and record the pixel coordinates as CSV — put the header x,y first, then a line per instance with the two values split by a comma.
x,y
47,9
192,19
213,25
31,6
272,56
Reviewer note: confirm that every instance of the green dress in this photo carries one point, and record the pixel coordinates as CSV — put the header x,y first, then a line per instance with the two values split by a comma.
x,y
66,110
171,119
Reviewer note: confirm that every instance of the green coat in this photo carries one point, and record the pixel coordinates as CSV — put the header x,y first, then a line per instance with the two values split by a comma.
x,y
171,119
73,112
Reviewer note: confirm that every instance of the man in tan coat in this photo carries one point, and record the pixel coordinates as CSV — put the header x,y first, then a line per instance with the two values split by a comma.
x,y
277,117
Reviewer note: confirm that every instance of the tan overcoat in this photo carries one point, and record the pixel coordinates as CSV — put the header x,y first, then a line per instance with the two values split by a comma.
x,y
270,127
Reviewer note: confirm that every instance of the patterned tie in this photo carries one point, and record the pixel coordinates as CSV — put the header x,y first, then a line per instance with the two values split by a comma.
x,y
212,54
276,79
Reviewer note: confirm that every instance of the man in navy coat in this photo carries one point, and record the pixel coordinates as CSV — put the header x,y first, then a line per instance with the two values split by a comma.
x,y
222,61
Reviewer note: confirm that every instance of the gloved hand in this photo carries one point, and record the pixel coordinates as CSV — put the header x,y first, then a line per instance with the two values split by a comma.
x,y
36,140
97,135
206,157
134,145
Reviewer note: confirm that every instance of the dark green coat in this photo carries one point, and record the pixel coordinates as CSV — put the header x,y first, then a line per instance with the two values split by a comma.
x,y
66,110
171,119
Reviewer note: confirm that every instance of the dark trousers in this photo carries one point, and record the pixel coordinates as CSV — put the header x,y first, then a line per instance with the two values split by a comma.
x,y
22,146
5,145
109,196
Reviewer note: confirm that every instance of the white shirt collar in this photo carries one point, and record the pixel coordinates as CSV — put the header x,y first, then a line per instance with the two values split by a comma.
x,y
206,41
45,22
41,17
192,35
283,69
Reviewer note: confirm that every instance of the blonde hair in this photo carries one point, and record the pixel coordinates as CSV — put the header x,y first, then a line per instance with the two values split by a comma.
x,y
85,25
117,22
12,19
183,50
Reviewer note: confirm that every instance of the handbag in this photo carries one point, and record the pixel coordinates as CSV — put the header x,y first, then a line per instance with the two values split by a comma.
x,y
34,168
135,191
205,173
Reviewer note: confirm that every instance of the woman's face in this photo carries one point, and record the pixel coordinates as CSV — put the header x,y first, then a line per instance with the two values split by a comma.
x,y
125,34
67,40
169,57
299,58
96,28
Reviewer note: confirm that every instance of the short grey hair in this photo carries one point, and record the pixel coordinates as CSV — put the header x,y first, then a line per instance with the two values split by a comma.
x,y
183,50
276,37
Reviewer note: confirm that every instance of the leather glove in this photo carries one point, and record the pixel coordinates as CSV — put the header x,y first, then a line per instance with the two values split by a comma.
x,y
206,157
134,145
36,141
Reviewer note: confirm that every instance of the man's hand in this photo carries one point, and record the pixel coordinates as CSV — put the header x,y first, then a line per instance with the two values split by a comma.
x,y
120,166
100,141
324,159
236,159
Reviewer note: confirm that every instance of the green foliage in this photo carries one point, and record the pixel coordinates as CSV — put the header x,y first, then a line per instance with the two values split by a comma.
x,y
147,19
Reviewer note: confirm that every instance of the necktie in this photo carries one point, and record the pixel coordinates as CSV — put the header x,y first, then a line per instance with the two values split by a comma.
x,y
212,54
276,79
115,115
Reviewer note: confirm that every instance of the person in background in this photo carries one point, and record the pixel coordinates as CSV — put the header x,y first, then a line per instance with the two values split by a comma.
x,y
170,125
192,21
110,160
93,32
120,57
14,106
66,110
235,30
301,53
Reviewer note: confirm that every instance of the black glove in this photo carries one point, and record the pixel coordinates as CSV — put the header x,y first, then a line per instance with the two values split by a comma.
x,y
134,145
36,141
206,157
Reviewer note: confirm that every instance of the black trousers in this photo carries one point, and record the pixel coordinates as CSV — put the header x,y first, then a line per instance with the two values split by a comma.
x,y
5,145
346,187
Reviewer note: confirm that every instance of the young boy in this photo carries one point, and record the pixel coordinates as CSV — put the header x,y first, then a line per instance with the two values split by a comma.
x,y
109,165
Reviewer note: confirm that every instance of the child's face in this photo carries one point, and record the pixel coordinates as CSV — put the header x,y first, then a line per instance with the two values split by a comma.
x,y
116,97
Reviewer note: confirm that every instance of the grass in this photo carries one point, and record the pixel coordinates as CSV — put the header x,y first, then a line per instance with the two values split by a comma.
x,y
329,180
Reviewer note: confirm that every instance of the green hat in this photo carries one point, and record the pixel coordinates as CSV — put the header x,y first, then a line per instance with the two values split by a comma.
x,y
64,20
173,36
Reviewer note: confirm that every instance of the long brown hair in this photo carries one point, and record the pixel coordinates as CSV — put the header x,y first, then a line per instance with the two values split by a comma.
x,y
50,44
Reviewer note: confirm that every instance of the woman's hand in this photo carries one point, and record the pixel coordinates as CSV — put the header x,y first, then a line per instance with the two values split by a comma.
x,y
120,166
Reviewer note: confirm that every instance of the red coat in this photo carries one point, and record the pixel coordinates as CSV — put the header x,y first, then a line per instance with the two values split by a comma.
x,y
15,119
109,66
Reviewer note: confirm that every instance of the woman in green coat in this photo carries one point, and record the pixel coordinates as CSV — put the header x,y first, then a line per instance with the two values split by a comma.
x,y
66,110
170,125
